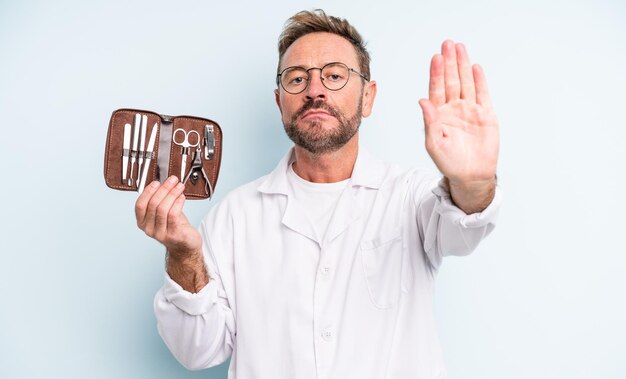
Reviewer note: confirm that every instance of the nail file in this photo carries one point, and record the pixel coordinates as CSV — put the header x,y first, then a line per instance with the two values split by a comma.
x,y
133,151
209,142
149,150
142,144
125,153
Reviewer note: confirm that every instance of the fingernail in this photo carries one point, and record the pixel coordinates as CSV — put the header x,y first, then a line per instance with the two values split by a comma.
x,y
180,186
154,184
172,179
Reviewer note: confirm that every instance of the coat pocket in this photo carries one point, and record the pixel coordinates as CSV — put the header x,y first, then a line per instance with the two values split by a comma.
x,y
384,258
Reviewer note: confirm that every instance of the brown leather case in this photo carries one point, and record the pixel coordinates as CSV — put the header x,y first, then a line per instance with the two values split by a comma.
x,y
167,156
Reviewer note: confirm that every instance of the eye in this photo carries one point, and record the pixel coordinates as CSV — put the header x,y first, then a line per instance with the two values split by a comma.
x,y
335,73
334,77
294,77
296,80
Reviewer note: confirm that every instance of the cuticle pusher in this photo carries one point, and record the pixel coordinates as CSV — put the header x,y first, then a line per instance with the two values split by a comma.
x,y
133,151
142,144
149,150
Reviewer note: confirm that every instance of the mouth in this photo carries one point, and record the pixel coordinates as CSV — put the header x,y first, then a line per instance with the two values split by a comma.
x,y
316,113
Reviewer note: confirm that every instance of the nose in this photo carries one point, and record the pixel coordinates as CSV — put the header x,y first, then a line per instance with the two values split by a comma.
x,y
315,89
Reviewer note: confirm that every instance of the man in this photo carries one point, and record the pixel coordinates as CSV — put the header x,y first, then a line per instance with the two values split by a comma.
x,y
324,268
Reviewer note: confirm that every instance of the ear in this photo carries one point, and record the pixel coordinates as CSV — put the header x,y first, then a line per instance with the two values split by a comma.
x,y
369,94
277,98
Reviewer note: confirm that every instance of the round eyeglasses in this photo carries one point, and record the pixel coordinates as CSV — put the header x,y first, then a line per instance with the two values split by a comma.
x,y
334,76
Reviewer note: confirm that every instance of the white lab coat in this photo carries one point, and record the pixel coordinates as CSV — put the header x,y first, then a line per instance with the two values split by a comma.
x,y
357,305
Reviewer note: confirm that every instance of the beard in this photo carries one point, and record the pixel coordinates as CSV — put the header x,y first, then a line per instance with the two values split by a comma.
x,y
312,137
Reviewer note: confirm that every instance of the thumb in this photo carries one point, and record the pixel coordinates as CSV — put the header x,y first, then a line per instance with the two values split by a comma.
x,y
428,110
430,115
176,215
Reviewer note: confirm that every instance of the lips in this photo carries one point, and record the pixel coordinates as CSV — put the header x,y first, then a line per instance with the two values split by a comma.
x,y
315,108
316,113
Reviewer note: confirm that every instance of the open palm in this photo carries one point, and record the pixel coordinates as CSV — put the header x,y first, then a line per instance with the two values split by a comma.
x,y
462,134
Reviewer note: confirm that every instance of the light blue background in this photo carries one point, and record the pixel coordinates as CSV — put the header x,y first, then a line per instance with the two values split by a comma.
x,y
542,298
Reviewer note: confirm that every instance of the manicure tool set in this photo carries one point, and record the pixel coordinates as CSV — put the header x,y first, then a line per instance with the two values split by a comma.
x,y
143,146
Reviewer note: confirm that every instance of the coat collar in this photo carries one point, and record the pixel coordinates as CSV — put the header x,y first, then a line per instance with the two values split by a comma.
x,y
368,172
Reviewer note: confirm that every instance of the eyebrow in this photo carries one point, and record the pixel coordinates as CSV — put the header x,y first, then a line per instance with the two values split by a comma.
x,y
306,68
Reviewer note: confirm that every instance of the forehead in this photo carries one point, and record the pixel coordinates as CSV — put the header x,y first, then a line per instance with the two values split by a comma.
x,y
317,49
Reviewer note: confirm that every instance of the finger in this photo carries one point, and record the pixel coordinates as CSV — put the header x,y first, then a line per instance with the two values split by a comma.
x,y
482,92
141,205
451,75
155,200
436,86
161,217
468,91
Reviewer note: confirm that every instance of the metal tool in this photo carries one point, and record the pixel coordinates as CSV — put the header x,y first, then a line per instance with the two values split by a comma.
x,y
133,151
196,169
125,153
185,143
142,144
149,150
209,142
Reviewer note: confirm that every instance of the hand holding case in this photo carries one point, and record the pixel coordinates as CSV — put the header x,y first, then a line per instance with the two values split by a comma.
x,y
167,155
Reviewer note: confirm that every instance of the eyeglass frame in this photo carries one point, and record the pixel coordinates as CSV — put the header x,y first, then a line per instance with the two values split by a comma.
x,y
350,69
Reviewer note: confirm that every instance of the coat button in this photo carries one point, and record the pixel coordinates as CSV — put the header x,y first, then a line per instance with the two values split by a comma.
x,y
327,334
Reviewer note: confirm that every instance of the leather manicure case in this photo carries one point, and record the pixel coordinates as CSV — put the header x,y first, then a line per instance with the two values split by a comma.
x,y
186,146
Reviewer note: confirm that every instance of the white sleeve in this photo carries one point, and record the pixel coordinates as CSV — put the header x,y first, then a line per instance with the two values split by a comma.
x,y
446,229
199,329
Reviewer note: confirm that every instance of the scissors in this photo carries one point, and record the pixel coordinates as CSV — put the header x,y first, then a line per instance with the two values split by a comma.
x,y
185,143
196,169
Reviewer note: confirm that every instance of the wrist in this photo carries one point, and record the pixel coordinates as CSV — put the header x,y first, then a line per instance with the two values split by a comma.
x,y
470,186
187,269
471,196
182,256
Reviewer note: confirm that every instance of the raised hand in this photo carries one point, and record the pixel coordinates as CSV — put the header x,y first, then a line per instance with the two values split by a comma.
x,y
462,134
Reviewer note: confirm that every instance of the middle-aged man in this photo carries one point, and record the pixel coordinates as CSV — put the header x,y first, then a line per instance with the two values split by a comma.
x,y
325,267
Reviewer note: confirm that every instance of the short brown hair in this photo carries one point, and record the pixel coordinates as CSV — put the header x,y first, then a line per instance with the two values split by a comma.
x,y
305,22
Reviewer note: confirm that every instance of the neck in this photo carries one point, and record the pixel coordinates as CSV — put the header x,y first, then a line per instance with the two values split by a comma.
x,y
328,167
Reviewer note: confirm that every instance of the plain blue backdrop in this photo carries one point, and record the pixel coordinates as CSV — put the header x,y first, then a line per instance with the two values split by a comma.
x,y
541,298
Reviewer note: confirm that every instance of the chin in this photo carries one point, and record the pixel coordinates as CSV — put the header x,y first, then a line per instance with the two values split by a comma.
x,y
317,123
